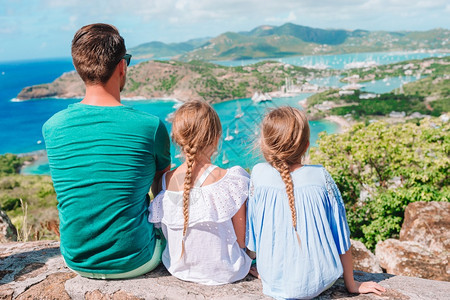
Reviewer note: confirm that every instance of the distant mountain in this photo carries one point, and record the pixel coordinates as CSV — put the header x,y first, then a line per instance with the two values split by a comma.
x,y
160,49
291,39
306,34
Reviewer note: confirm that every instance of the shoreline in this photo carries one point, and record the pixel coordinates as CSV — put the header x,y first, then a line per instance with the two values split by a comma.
x,y
343,124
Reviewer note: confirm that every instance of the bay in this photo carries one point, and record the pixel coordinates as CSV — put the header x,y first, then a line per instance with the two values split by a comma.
x,y
21,122
340,61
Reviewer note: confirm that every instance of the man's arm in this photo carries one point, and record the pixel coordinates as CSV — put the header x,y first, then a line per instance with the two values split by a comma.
x,y
162,156
157,184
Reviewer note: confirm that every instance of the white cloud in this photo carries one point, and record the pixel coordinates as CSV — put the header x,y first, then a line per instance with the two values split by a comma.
x,y
235,12
72,25
141,21
292,17
7,29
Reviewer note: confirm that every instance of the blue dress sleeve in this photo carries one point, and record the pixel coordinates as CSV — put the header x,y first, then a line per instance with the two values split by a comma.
x,y
337,217
250,233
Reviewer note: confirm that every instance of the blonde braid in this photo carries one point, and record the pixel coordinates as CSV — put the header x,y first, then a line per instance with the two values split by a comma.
x,y
283,168
195,127
284,141
190,158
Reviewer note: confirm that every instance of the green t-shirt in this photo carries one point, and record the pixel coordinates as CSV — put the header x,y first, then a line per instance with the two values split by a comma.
x,y
102,161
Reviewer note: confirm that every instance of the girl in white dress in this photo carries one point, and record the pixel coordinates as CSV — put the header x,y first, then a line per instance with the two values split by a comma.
x,y
201,208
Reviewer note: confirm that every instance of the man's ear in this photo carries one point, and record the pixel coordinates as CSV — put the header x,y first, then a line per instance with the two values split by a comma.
x,y
123,67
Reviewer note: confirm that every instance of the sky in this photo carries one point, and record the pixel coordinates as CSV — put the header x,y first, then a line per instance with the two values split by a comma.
x,y
34,29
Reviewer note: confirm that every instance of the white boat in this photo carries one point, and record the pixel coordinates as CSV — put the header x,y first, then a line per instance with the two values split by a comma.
x,y
352,86
236,129
224,158
260,97
255,96
169,117
228,137
239,113
177,105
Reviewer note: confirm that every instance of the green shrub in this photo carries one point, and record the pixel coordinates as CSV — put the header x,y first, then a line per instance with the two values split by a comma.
x,y
381,168
9,203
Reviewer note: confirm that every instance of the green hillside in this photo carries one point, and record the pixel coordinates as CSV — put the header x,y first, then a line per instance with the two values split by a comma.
x,y
160,49
291,39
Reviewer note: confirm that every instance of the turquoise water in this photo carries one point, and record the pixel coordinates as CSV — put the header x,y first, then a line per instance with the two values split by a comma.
x,y
241,149
377,86
340,61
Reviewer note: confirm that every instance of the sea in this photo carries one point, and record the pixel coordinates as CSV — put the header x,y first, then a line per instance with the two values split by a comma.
x,y
21,121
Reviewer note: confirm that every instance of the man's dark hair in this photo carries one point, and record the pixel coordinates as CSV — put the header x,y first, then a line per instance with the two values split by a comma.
x,y
96,51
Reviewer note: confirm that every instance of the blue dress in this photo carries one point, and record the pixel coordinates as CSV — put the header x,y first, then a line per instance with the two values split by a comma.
x,y
287,269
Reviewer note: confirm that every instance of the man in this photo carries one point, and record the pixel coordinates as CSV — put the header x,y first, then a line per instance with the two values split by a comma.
x,y
104,157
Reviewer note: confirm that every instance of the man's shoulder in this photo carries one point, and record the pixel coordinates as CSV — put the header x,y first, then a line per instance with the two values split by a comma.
x,y
144,116
56,119
76,113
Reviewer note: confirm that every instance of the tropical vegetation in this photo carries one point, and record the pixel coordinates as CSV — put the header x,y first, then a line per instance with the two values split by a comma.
x,y
380,168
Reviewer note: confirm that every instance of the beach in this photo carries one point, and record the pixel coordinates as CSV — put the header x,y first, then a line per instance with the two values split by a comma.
x,y
344,125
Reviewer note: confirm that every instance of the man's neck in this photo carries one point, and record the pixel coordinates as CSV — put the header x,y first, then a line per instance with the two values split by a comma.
x,y
100,95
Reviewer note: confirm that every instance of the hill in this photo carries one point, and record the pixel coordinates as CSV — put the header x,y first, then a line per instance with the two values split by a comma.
x,y
182,81
160,50
291,39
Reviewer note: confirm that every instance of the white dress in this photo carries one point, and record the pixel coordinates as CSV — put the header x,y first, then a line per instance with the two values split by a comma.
x,y
212,255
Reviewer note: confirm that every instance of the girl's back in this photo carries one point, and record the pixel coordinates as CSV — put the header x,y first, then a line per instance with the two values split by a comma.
x,y
211,252
290,269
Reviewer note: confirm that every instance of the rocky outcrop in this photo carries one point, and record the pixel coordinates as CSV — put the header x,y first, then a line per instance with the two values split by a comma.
x,y
363,259
428,223
68,85
412,259
178,80
8,232
36,270
424,245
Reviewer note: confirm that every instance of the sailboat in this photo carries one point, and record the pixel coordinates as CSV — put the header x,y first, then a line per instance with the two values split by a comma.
x,y
169,117
239,113
224,158
259,97
236,129
228,137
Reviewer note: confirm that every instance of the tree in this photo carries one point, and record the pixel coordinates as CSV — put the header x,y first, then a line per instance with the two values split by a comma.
x,y
381,168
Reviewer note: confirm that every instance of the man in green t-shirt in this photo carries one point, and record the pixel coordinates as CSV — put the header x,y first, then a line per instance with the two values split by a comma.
x,y
104,157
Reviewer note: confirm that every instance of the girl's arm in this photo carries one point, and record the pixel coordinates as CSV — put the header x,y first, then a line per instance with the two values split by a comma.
x,y
239,225
353,286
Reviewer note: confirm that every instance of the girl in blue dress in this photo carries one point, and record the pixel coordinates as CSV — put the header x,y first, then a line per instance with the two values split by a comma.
x,y
296,218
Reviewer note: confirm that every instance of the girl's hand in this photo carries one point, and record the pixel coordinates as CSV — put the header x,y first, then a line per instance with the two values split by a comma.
x,y
254,271
366,287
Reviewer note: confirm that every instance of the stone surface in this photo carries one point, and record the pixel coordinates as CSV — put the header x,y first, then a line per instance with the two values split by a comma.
x,y
8,232
412,259
424,246
363,259
428,223
36,270
52,287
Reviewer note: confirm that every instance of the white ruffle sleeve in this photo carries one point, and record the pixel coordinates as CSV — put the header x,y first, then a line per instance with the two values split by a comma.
x,y
216,202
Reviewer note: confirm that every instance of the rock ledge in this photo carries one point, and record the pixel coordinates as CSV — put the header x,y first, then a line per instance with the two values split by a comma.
x,y
36,270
